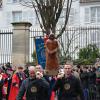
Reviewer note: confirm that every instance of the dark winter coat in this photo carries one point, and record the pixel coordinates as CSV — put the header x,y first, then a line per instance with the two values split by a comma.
x,y
36,89
69,88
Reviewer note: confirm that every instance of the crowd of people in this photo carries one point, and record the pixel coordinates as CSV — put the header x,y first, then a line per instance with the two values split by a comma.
x,y
32,83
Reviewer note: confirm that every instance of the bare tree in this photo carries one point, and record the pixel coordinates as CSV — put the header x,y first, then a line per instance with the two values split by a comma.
x,y
67,44
48,13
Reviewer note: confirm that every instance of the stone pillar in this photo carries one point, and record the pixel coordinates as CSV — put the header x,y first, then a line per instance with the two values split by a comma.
x,y
20,42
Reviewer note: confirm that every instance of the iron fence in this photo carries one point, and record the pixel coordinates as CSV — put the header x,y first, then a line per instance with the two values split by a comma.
x,y
70,42
5,46
75,38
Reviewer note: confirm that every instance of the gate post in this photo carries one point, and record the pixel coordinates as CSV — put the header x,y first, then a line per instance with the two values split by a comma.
x,y
20,42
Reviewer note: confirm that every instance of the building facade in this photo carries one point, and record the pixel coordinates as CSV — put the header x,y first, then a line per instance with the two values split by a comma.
x,y
13,11
89,12
83,12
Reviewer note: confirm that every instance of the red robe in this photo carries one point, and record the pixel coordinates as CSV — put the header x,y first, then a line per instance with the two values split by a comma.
x,y
52,95
14,90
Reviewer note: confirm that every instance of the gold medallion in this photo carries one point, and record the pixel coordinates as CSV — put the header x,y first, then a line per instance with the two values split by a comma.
x,y
66,86
34,89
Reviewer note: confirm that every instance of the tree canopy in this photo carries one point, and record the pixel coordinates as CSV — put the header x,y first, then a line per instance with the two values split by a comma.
x,y
48,13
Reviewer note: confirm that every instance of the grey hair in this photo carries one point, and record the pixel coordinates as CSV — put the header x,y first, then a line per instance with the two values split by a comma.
x,y
30,68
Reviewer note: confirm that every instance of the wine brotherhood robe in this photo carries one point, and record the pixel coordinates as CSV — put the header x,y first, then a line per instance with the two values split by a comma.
x,y
51,59
16,79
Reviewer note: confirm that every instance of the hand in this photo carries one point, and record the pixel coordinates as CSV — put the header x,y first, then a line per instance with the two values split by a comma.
x,y
16,85
39,75
0,77
60,75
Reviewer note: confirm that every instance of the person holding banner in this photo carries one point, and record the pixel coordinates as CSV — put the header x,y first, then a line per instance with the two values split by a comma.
x,y
51,54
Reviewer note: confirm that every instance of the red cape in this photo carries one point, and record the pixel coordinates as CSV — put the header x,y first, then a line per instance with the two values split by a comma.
x,y
14,90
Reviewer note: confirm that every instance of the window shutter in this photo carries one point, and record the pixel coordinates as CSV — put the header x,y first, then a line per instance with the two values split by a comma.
x,y
87,15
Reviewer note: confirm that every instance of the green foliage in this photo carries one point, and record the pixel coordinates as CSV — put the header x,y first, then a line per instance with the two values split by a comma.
x,y
88,54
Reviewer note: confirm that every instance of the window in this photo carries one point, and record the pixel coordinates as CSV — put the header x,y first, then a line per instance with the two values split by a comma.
x,y
28,16
17,16
25,16
92,15
87,15
16,1
31,16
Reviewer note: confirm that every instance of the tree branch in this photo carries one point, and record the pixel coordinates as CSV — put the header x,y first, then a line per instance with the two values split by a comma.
x,y
66,18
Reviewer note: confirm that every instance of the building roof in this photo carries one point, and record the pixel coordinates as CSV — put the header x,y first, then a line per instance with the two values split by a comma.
x,y
89,1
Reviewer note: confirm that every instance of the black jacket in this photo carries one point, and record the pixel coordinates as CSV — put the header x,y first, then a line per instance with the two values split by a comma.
x,y
69,88
36,89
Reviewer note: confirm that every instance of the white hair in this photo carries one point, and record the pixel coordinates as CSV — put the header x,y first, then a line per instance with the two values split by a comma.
x,y
31,68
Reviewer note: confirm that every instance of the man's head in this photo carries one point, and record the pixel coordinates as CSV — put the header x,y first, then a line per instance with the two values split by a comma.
x,y
20,68
68,69
84,69
39,68
31,71
9,71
